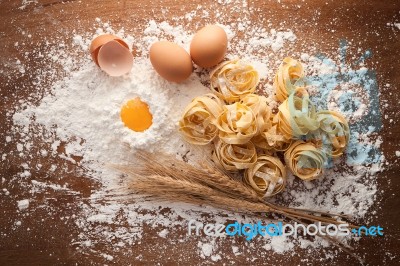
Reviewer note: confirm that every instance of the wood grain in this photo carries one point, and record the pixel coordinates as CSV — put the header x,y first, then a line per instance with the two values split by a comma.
x,y
317,23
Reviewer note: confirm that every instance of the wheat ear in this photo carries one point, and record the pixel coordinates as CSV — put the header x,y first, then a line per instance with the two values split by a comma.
x,y
212,186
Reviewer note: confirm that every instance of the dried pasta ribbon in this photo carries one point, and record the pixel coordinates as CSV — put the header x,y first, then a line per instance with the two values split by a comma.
x,y
198,123
237,124
232,80
261,143
234,157
271,139
289,72
305,160
296,116
275,139
261,110
267,176
335,126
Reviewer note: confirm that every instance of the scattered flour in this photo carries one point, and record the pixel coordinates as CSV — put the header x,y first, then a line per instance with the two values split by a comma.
x,y
163,233
395,25
26,3
23,204
78,119
206,249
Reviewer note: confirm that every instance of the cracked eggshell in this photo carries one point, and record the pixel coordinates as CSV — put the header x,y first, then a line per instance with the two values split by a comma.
x,y
115,59
111,54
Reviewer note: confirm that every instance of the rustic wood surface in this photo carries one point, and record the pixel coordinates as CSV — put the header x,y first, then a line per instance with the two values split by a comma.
x,y
48,240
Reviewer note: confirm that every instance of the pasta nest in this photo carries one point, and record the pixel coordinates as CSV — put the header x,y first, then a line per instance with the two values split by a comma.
x,y
237,124
296,116
198,123
305,160
272,139
268,137
261,110
233,157
233,80
336,131
289,74
267,176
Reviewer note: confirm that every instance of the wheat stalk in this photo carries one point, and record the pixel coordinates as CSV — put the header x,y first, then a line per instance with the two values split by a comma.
x,y
185,191
161,176
165,177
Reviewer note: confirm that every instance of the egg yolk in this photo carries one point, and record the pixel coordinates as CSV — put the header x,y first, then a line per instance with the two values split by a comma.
x,y
136,115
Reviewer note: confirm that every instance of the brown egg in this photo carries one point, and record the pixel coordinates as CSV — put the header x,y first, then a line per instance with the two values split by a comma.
x,y
208,47
111,54
171,61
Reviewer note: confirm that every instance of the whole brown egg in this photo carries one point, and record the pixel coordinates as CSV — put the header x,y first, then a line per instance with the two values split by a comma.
x,y
171,61
208,47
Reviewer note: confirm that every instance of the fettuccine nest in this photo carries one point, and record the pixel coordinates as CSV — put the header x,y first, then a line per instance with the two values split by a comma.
x,y
198,123
267,176
233,157
236,124
305,160
233,80
290,73
297,116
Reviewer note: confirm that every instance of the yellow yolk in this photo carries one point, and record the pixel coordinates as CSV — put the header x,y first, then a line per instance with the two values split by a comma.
x,y
136,115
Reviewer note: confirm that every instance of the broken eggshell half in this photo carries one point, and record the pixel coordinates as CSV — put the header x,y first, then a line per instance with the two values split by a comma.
x,y
111,54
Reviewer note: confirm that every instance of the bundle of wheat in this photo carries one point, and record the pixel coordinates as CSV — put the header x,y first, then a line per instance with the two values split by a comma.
x,y
160,176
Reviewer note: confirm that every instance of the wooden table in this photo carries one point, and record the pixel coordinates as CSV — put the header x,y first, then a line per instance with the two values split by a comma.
x,y
48,240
